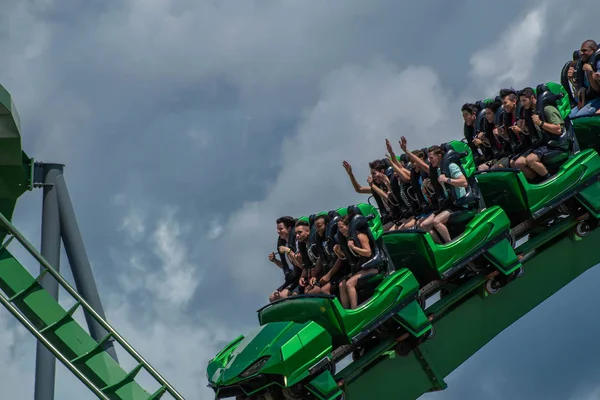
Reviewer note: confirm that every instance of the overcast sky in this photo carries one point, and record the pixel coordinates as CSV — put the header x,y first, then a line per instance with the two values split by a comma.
x,y
189,126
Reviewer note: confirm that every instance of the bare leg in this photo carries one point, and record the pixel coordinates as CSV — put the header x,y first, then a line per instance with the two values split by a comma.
x,y
427,223
313,290
533,162
351,286
326,289
439,224
408,224
344,294
434,235
521,163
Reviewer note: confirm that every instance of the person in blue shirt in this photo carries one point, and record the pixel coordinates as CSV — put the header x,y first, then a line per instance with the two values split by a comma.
x,y
588,96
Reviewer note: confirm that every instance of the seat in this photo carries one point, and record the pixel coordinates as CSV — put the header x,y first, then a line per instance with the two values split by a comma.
x,y
428,261
459,154
566,144
594,59
367,283
509,189
397,290
564,81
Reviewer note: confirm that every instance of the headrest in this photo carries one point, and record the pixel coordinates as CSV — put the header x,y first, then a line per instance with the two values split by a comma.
x,y
358,223
405,158
353,210
331,229
479,122
576,55
545,97
451,156
446,147
311,219
480,104
594,59
292,238
498,116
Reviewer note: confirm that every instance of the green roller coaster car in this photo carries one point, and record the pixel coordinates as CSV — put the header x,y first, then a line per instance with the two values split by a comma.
x,y
574,187
293,353
482,237
309,334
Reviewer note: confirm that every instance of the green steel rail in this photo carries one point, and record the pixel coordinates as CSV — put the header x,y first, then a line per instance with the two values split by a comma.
x,y
463,330
37,310
57,328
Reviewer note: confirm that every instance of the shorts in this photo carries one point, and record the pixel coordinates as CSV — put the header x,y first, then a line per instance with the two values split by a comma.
x,y
291,281
541,152
298,289
505,161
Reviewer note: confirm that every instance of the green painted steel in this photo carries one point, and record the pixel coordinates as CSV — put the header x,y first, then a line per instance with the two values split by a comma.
x,y
286,349
463,331
343,324
487,242
588,133
36,309
430,261
15,166
563,104
57,325
522,200
298,332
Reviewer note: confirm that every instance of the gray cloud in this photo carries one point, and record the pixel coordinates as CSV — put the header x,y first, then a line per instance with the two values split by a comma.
x,y
226,115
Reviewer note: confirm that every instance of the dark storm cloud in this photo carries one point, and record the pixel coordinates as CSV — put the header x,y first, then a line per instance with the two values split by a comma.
x,y
192,104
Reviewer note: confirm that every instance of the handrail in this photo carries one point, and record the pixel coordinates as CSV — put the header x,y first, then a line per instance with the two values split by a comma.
x,y
14,311
36,254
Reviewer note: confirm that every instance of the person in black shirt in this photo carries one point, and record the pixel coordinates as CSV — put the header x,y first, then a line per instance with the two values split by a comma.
x,y
377,187
286,247
474,140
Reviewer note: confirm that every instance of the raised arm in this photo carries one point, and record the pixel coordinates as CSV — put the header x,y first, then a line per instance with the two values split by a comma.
x,y
380,192
357,186
400,170
413,158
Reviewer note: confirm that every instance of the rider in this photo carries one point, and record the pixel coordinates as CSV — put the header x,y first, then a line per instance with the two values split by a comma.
x,y
418,180
436,223
544,131
348,293
498,149
377,187
516,132
588,80
303,260
286,247
474,139
334,267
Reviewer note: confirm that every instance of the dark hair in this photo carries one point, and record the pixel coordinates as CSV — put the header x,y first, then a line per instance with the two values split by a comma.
x,y
302,223
345,220
420,154
508,92
436,150
527,92
324,217
288,221
469,107
377,165
591,44
493,105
